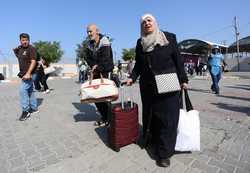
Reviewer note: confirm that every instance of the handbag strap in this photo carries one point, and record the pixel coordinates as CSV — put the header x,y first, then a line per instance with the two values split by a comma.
x,y
147,57
92,76
188,103
148,60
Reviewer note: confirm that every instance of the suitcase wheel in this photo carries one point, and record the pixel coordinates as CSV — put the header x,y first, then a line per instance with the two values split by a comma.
x,y
116,149
135,142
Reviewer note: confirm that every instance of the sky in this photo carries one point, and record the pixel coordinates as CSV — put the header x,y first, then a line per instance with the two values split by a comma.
x,y
66,20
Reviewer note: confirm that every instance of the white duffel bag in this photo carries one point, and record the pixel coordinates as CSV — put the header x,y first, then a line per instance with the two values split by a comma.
x,y
98,90
188,132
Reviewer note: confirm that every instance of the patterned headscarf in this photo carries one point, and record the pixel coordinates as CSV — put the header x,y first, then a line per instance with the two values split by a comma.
x,y
149,41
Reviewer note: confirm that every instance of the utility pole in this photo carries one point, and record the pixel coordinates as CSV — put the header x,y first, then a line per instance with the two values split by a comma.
x,y
237,41
224,42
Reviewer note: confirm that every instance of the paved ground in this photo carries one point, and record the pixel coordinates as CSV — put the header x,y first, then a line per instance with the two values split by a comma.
x,y
62,138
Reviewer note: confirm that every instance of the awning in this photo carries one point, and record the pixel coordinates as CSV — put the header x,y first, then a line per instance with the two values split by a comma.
x,y
196,46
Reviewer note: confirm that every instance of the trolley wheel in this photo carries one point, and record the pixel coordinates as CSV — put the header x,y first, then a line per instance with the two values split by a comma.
x,y
136,142
116,149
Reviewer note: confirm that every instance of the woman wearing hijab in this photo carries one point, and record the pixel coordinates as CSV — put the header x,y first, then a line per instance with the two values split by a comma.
x,y
157,51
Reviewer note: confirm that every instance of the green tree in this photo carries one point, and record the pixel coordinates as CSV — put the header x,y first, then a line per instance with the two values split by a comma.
x,y
50,51
80,51
128,54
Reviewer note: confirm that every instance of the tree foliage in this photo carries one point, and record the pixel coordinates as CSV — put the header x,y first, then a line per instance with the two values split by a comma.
x,y
50,51
128,54
80,51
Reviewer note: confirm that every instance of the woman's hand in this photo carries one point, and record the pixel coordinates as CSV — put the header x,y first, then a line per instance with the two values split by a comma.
x,y
184,86
129,82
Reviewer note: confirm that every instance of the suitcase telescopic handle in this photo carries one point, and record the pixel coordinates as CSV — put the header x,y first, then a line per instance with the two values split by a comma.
x,y
123,83
122,95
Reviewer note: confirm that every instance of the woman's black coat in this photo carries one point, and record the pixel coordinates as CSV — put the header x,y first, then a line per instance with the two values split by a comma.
x,y
164,59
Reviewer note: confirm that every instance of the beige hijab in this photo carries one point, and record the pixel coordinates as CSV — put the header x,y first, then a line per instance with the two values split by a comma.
x,y
149,41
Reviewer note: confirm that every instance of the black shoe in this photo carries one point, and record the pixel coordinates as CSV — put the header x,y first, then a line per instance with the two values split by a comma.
x,y
24,116
217,92
163,162
33,111
101,123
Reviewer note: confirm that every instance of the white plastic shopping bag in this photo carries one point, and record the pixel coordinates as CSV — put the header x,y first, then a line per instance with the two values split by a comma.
x,y
188,132
49,70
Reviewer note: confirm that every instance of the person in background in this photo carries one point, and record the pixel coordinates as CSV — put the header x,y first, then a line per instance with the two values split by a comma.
x,y
115,76
99,58
119,66
26,55
82,71
130,67
45,75
215,63
39,73
160,48
191,67
198,67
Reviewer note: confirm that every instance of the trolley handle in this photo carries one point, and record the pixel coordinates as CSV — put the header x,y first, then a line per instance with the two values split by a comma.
x,y
123,83
122,95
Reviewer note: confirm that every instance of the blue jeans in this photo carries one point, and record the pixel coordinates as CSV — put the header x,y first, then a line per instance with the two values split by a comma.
x,y
27,96
215,86
82,76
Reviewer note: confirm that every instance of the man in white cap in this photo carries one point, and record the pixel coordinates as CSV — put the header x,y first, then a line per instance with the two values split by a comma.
x,y
215,62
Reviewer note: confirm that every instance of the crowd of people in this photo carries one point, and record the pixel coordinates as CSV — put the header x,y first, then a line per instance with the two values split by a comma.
x,y
156,53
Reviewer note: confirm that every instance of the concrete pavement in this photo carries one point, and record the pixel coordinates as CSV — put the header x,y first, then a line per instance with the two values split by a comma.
x,y
61,138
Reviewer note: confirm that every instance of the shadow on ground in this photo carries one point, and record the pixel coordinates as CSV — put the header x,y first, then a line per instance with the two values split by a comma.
x,y
39,101
102,132
87,112
200,90
242,76
243,87
151,148
242,109
235,97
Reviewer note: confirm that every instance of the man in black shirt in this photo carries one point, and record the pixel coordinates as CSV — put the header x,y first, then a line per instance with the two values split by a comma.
x,y
26,55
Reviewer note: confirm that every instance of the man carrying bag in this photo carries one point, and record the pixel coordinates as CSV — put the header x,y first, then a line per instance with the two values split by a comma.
x,y
100,59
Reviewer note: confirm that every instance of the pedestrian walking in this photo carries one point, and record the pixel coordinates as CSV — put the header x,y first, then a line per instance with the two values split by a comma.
x,y
82,66
215,63
26,55
119,65
157,52
39,73
100,59
130,67
45,75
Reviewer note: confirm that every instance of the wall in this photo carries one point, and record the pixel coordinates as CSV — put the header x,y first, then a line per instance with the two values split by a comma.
x,y
11,70
232,63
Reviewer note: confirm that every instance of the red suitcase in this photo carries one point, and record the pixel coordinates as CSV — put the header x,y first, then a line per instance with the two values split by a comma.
x,y
124,126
